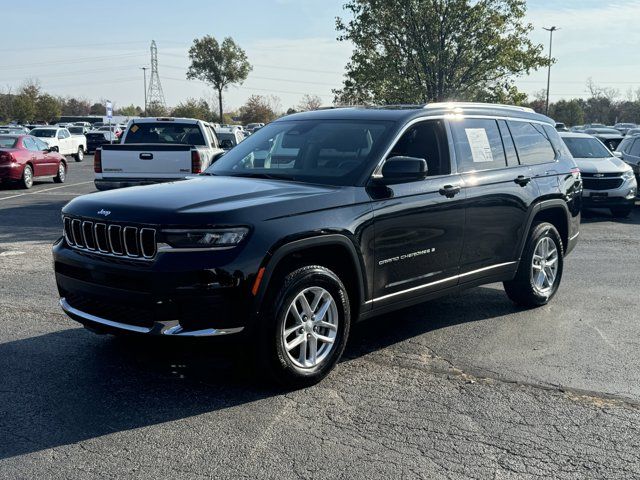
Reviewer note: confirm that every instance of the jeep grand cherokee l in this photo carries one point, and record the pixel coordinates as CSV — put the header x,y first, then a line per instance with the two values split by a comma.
x,y
324,218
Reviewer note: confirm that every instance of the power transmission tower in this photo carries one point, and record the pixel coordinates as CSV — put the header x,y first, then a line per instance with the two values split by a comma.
x,y
155,95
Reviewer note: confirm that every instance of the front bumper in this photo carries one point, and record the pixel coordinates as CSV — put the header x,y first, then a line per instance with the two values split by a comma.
x,y
167,327
623,195
171,298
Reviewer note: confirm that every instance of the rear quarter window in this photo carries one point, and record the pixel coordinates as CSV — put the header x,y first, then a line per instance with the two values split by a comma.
x,y
532,143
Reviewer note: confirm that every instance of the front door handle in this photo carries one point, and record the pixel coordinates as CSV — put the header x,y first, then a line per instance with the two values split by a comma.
x,y
450,191
522,180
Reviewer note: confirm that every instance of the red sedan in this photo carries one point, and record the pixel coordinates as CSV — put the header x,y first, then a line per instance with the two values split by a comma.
x,y
24,158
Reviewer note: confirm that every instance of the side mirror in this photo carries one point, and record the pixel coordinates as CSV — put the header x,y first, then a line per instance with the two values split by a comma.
x,y
50,149
226,144
404,169
617,154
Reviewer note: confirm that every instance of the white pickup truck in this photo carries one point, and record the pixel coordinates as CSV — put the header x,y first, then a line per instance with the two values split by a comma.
x,y
153,150
61,141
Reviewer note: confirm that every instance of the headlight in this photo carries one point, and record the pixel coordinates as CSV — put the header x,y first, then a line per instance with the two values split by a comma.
x,y
628,174
206,238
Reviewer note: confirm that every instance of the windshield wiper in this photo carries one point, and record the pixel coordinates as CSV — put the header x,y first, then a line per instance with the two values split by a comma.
x,y
270,176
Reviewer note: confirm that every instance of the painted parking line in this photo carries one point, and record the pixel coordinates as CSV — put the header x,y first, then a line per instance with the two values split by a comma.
x,y
45,190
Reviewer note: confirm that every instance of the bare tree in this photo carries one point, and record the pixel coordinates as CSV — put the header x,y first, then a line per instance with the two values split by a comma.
x,y
310,102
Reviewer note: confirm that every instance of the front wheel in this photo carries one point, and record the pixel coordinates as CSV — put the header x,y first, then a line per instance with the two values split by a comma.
x,y
80,155
540,271
305,334
62,173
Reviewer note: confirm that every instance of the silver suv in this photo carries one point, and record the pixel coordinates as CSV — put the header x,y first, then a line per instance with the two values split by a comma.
x,y
608,182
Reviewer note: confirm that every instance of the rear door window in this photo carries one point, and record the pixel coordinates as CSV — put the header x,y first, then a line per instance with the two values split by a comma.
x,y
478,144
635,148
532,143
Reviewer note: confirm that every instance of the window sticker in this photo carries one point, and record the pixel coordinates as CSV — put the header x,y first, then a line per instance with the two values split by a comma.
x,y
134,128
479,143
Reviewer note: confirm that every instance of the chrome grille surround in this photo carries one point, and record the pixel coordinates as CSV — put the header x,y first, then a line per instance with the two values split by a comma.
x,y
110,239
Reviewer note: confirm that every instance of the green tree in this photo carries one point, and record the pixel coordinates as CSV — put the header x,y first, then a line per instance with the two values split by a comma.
x,y
192,108
219,65
98,109
75,106
259,109
417,51
129,111
48,108
568,112
155,109
23,107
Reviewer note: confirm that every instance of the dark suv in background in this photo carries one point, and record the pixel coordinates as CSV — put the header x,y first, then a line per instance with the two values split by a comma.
x,y
324,218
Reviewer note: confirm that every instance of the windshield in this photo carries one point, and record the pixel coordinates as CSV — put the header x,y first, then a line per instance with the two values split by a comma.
x,y
331,152
8,142
76,129
43,133
586,148
165,132
227,136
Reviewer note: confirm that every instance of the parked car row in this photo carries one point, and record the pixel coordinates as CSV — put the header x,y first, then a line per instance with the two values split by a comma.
x,y
24,158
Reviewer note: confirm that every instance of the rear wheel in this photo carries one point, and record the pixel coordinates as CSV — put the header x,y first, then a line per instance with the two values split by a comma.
x,y
622,212
80,155
27,177
540,270
62,173
303,337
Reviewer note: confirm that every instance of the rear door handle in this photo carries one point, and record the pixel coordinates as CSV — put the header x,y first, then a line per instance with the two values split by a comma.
x,y
450,191
146,156
522,180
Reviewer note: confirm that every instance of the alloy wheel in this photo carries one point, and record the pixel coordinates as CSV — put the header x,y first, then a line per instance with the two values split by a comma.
x,y
544,266
310,327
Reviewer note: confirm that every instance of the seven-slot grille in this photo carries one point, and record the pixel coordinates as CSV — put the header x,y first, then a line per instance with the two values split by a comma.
x,y
110,238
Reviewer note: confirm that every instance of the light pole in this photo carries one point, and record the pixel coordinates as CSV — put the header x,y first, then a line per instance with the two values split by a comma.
x,y
144,72
550,30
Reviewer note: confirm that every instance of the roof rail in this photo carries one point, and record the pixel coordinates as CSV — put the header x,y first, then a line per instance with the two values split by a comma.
x,y
452,105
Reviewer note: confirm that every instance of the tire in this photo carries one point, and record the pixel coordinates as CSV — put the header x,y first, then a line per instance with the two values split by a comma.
x,y
286,364
80,155
526,289
621,212
62,173
27,177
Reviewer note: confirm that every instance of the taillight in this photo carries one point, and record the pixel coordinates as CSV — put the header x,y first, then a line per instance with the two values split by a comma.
x,y
97,161
196,162
6,157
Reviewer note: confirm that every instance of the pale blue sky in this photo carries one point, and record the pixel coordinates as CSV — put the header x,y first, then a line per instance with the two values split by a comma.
x,y
94,49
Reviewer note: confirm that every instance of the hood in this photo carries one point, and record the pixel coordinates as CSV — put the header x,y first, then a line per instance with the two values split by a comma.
x,y
601,165
208,200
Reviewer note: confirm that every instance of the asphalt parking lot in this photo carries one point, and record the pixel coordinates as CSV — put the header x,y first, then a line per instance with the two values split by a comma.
x,y
466,386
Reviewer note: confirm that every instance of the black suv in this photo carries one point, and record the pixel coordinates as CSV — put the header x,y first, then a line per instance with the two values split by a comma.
x,y
324,218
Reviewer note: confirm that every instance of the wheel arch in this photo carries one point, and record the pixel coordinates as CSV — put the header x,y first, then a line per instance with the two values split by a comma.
x,y
334,251
554,211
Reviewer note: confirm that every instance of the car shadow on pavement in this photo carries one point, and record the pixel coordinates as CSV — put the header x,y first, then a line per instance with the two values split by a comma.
x,y
604,215
473,305
65,387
